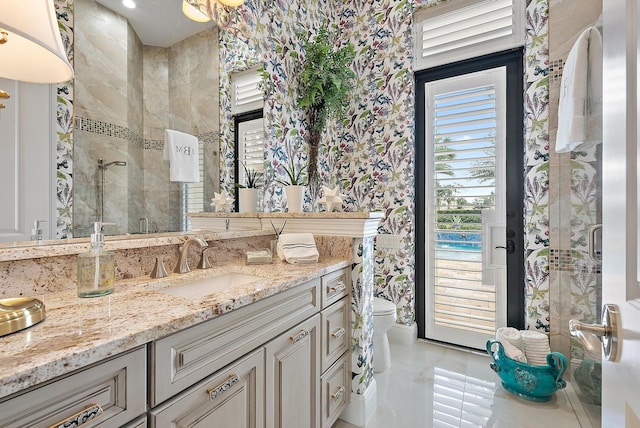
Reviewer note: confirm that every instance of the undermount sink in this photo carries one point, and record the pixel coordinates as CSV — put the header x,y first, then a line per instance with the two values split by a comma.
x,y
215,284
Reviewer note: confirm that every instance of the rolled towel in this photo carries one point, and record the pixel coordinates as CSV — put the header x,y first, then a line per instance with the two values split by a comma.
x,y
512,335
513,352
536,347
297,248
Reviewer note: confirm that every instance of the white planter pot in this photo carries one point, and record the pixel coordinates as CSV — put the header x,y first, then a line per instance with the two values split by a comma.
x,y
248,200
295,198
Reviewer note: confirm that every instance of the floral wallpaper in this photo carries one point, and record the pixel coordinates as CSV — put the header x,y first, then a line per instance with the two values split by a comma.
x,y
536,163
372,157
64,128
362,269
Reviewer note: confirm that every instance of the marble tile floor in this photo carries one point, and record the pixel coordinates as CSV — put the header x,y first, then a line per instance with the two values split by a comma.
x,y
429,385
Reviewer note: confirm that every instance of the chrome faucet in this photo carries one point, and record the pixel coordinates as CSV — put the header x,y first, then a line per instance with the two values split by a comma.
x,y
183,264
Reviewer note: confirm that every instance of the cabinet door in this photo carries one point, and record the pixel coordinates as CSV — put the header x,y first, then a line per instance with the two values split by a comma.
x,y
27,164
231,398
293,374
108,394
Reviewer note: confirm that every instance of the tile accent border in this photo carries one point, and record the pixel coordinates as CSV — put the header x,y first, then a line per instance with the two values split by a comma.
x,y
99,127
556,67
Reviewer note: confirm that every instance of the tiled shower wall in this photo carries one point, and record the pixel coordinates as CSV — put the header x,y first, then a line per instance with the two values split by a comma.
x,y
128,94
575,193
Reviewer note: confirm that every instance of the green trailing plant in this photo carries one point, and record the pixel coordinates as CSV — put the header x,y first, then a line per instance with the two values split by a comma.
x,y
324,87
252,177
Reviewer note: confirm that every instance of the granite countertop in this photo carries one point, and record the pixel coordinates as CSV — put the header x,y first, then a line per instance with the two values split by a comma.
x,y
78,332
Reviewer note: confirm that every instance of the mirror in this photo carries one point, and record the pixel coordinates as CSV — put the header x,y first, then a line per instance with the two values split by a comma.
x,y
133,81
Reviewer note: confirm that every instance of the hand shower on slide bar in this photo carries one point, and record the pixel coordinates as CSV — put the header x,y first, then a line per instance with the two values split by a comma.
x,y
102,166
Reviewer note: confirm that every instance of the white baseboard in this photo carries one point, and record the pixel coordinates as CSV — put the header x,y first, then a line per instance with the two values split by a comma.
x,y
359,411
403,334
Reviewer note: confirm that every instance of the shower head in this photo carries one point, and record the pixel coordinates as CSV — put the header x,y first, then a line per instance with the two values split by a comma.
x,y
103,165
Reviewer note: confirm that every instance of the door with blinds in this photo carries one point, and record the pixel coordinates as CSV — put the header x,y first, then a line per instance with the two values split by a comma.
x,y
465,216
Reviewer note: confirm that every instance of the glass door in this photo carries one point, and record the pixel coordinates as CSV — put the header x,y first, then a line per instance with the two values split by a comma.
x,y
465,216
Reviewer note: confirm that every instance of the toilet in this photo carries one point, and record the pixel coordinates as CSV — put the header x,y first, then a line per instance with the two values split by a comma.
x,y
384,316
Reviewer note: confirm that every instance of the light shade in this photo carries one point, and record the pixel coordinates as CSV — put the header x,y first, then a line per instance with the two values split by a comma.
x,y
231,2
194,13
33,51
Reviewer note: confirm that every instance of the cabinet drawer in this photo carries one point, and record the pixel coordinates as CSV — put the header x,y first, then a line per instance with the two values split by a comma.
x,y
335,286
335,332
189,356
114,391
335,391
231,398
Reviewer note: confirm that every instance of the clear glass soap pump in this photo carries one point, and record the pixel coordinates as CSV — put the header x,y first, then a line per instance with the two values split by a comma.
x,y
97,267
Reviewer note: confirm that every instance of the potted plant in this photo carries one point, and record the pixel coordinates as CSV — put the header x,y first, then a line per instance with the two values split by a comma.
x,y
248,193
325,83
294,183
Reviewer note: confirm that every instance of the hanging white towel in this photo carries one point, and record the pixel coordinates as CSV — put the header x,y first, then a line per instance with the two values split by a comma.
x,y
181,150
297,248
580,106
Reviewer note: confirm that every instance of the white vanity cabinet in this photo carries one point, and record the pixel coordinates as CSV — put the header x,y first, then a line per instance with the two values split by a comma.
x,y
271,362
111,393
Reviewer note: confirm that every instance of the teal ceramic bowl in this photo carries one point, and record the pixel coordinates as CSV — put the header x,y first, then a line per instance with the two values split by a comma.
x,y
533,383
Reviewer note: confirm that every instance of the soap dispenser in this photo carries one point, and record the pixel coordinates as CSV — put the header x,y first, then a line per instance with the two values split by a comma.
x,y
36,232
97,267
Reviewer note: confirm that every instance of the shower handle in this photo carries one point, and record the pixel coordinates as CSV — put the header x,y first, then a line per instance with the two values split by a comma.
x,y
606,334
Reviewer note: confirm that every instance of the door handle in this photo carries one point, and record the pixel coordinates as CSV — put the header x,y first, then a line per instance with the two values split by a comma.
x,y
592,243
605,334
511,247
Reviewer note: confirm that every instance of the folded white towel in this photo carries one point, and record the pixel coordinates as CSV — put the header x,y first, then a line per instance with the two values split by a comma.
x,y
513,352
181,150
511,335
297,248
580,106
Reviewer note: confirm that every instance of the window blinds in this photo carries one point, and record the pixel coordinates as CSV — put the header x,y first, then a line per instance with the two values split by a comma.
x,y
458,30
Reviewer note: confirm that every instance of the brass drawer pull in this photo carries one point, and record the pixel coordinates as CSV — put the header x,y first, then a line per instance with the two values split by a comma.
x,y
89,413
224,386
338,288
339,333
339,393
298,337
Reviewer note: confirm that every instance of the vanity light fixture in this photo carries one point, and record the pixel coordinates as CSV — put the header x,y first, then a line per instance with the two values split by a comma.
x,y
222,12
232,3
31,47
129,3
194,11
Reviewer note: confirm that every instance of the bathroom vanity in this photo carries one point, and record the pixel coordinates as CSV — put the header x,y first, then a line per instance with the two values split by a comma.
x,y
270,353
262,353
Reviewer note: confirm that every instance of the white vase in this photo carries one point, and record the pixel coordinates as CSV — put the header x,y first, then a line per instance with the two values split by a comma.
x,y
248,200
295,198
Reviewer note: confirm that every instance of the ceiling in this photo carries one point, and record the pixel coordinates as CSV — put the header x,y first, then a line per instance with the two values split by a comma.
x,y
158,22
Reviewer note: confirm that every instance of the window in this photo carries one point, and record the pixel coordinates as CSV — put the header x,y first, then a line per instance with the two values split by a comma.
x,y
246,94
461,29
